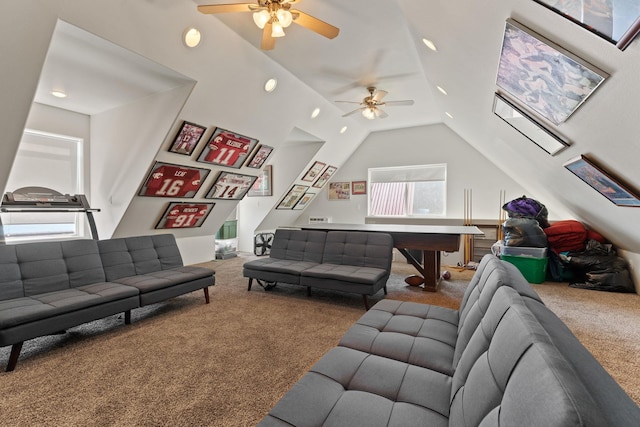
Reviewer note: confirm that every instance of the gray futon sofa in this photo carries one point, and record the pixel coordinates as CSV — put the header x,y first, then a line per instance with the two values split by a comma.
x,y
48,287
502,359
346,261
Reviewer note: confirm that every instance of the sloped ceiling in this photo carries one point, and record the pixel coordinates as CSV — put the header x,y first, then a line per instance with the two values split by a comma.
x,y
380,43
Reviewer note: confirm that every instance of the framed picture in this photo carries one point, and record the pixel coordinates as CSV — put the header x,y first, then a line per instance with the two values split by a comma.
x,y
258,159
618,22
184,215
313,171
358,187
226,148
263,185
520,121
292,197
339,190
601,181
542,76
231,186
169,180
326,175
304,201
187,138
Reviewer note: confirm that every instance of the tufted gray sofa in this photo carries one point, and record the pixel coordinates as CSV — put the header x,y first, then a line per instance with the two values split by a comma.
x,y
502,359
347,261
49,287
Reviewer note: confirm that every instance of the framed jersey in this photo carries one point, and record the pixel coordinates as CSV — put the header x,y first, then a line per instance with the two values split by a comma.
x,y
184,215
226,148
187,138
231,186
169,180
258,159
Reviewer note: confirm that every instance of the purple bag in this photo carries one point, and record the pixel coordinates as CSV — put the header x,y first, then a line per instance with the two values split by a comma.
x,y
524,207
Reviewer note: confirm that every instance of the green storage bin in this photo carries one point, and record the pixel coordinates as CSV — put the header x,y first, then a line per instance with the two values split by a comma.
x,y
533,269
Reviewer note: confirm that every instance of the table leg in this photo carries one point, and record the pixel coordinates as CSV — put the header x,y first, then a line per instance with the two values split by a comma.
x,y
431,270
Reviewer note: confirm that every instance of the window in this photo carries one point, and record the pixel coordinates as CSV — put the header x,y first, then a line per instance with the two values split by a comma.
x,y
408,191
51,161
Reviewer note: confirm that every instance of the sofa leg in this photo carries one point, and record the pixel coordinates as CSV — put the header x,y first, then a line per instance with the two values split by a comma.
x,y
308,291
206,294
366,302
385,289
250,282
13,357
127,317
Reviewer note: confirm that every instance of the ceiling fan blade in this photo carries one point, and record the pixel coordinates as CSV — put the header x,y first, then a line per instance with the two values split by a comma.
x,y
353,112
225,8
268,42
350,102
380,113
399,103
315,24
377,97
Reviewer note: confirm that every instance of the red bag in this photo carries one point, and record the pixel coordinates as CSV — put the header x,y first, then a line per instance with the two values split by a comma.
x,y
567,235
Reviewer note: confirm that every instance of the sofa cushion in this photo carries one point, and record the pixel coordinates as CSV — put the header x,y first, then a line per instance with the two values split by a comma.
x,y
358,249
346,273
10,276
164,279
84,265
298,245
420,334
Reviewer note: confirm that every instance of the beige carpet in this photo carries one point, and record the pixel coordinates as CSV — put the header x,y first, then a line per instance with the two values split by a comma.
x,y
184,363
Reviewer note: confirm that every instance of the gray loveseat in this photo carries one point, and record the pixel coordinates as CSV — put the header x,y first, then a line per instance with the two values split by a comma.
x,y
502,359
48,287
347,261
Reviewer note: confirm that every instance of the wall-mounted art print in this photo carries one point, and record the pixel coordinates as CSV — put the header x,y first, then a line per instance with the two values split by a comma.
x,y
230,186
226,148
304,201
542,76
313,171
534,131
616,21
358,187
187,138
169,180
263,185
603,182
339,191
184,215
262,154
326,176
292,197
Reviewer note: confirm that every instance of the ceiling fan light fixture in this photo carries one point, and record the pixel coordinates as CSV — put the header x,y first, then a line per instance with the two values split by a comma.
x,y
369,113
284,17
261,18
277,30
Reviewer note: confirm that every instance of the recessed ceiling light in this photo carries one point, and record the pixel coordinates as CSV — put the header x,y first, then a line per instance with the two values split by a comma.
x,y
430,44
315,113
270,85
442,90
343,130
449,115
58,94
191,37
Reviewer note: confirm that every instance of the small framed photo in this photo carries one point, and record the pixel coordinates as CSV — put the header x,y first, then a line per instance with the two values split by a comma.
x,y
231,186
184,215
304,201
169,180
226,148
313,171
187,138
601,181
263,185
339,190
358,187
326,175
295,193
261,156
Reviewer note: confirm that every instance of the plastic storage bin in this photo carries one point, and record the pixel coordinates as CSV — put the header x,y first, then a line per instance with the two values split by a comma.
x,y
533,269
524,251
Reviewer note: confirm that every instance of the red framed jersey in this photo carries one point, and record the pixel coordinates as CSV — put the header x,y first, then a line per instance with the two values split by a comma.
x,y
168,180
185,215
226,148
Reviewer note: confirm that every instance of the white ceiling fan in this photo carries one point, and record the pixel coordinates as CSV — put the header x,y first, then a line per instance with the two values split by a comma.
x,y
370,105
272,17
